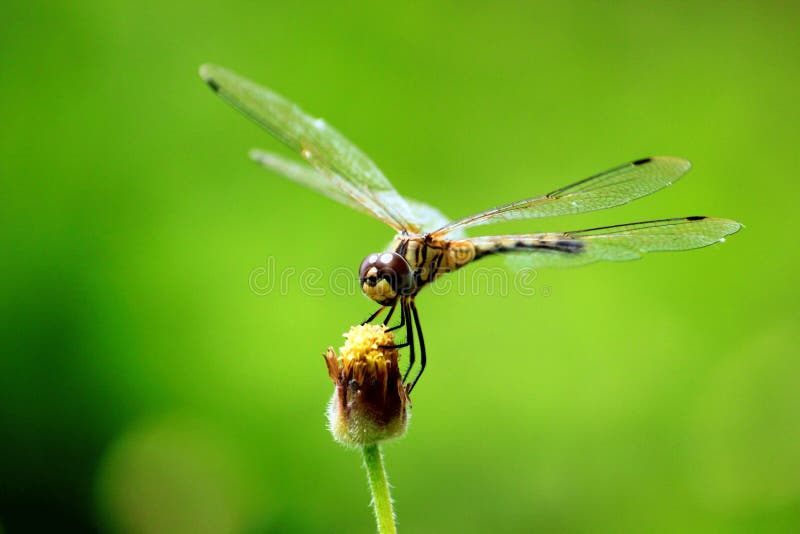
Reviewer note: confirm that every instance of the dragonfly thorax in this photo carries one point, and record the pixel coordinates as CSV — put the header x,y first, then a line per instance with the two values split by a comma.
x,y
385,276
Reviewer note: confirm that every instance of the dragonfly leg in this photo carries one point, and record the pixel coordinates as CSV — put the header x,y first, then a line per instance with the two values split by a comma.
x,y
402,320
402,323
409,337
371,317
389,315
422,354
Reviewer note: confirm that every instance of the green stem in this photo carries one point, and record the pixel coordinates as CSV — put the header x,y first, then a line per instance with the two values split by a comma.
x,y
379,486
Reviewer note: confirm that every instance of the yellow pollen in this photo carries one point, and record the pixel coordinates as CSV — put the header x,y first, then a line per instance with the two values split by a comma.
x,y
364,342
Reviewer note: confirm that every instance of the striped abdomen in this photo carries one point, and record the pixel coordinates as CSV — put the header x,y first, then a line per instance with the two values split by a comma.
x,y
485,246
430,259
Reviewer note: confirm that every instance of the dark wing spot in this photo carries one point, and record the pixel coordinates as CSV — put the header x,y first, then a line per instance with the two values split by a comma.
x,y
642,161
213,85
696,218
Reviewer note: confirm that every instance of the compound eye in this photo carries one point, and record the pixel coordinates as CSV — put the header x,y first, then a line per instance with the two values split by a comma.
x,y
388,266
368,272
395,268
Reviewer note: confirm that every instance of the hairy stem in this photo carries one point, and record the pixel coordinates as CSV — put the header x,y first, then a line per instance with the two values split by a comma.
x,y
379,486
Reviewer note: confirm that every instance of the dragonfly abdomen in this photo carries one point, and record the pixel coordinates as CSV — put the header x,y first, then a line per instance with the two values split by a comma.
x,y
520,243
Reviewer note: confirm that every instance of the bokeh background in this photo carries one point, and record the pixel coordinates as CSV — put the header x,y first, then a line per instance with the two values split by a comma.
x,y
145,387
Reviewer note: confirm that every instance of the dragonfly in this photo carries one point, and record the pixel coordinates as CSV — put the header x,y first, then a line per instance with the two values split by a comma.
x,y
427,244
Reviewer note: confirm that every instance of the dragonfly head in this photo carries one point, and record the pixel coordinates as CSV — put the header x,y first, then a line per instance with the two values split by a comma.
x,y
385,276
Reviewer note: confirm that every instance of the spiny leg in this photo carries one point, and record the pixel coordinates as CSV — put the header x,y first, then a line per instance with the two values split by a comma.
x,y
371,317
422,354
409,337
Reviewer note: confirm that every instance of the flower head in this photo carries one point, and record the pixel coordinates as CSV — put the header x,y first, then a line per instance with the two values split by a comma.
x,y
369,403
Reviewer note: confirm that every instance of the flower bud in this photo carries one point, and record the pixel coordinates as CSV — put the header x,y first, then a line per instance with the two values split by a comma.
x,y
369,403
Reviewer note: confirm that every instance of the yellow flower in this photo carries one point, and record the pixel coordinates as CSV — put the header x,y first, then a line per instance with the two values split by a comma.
x,y
369,403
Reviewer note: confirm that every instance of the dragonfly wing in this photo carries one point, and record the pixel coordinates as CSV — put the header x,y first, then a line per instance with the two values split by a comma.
x,y
328,151
307,176
426,218
611,188
429,218
612,243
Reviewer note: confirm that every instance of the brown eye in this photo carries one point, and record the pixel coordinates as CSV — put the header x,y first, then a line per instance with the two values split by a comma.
x,y
388,266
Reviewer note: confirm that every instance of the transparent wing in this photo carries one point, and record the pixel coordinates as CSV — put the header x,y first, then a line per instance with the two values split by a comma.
x,y
611,243
605,190
328,151
429,218
426,218
307,176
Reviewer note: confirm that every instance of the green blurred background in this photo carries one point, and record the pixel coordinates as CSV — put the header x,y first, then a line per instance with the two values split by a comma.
x,y
145,388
